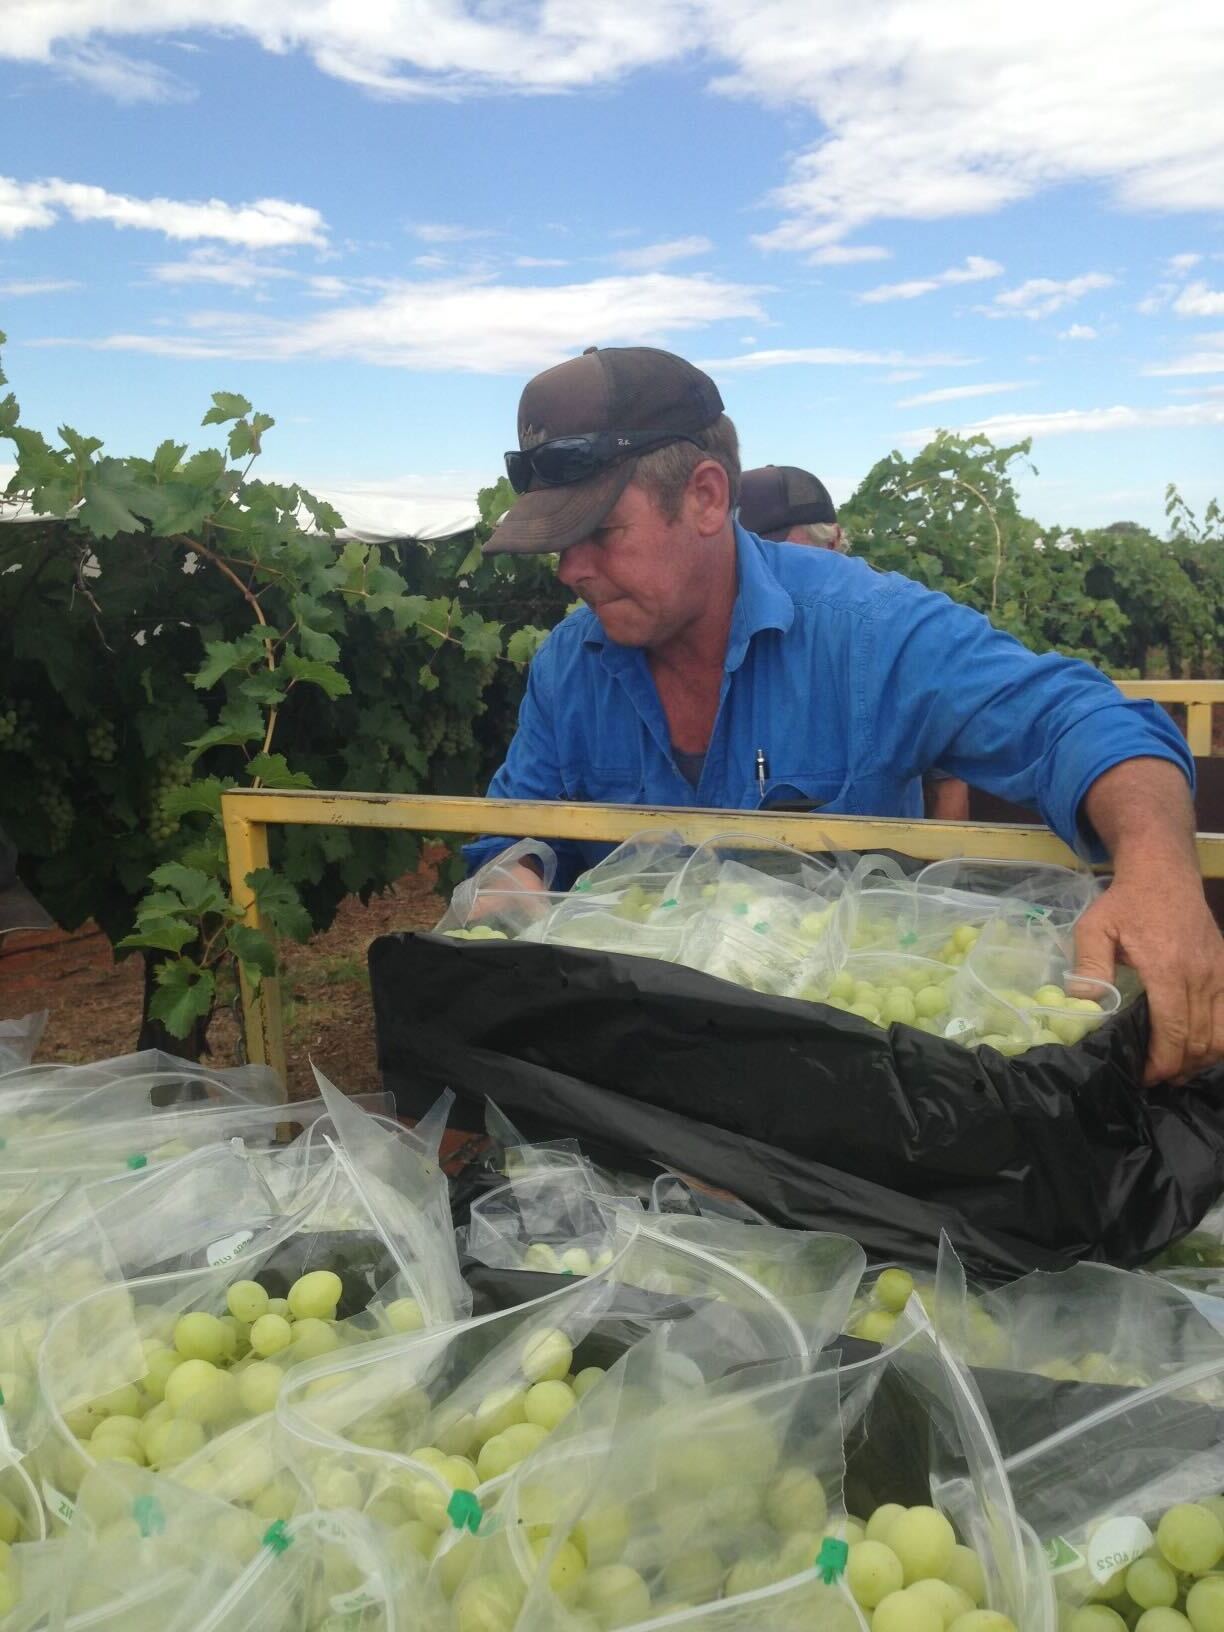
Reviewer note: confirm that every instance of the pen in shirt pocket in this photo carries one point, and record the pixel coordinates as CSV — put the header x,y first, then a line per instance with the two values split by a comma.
x,y
762,771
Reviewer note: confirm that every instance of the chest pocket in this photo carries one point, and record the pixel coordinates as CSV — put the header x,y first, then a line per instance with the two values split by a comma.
x,y
605,784
822,791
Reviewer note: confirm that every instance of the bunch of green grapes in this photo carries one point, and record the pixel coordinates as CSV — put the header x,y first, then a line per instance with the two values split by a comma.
x,y
57,808
16,728
456,736
100,741
431,732
169,773
1174,1587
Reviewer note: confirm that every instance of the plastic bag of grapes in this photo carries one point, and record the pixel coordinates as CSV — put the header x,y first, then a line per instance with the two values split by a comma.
x,y
1120,1471
1016,990
180,1080
886,988
48,1104
493,904
429,1427
30,1574
556,1220
646,866
708,1506
152,1370
1062,894
628,925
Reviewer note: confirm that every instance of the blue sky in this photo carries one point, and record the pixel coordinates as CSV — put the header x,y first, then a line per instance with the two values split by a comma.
x,y
868,219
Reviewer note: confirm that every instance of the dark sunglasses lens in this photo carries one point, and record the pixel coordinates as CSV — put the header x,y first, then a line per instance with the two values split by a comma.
x,y
518,469
568,459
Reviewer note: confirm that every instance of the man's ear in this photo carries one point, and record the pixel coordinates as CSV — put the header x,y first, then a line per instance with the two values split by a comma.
x,y
708,498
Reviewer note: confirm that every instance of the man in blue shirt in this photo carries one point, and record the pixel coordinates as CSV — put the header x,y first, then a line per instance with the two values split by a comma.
x,y
715,669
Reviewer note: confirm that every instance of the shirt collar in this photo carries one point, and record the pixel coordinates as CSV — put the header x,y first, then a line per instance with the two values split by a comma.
x,y
761,603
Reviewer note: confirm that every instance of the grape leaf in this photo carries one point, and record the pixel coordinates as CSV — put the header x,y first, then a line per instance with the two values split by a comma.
x,y
323,675
199,798
114,500
159,934
227,405
253,949
184,995
524,643
280,904
273,771
198,893
480,639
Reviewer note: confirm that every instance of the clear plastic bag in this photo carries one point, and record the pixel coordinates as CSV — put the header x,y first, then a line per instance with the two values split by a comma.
x,y
638,874
555,1220
1136,1433
493,903
886,988
19,1040
1016,990
188,1356
1062,894
176,1081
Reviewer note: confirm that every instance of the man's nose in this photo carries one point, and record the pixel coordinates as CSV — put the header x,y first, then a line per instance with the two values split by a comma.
x,y
574,565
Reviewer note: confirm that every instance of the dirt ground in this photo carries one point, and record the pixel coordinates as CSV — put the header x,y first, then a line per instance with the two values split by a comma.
x,y
94,1001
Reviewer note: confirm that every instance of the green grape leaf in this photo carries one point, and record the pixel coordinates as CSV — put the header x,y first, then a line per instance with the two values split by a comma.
x,y
426,678
220,658
167,457
317,644
524,643
480,639
227,405
199,798
242,440
323,675
280,904
159,934
81,447
198,893
241,720
253,950
273,771
114,500
184,995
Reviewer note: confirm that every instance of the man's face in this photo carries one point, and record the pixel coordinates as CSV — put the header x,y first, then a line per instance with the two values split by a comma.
x,y
642,575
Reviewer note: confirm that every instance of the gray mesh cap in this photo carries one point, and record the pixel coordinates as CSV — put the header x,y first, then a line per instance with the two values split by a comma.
x,y
775,498
625,389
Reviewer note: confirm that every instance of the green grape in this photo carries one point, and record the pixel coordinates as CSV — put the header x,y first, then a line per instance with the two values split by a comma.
x,y
405,1315
120,1402
279,1306
873,1571
923,1540
1151,1583
695,1576
200,1336
549,1403
893,1289
497,1456
1205,1604
490,1604
796,1501
905,1611
950,1601
930,1001
585,1381
983,1620
1096,1618
882,1520
616,1595
315,1295
246,1301
258,1387
313,1337
270,1334
498,1410
546,1357
567,1568
174,1442
417,1538
1190,1538
1162,1619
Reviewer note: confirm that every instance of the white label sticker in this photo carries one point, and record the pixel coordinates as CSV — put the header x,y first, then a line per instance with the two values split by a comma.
x,y
330,1529
959,1027
1116,1544
58,1505
221,1252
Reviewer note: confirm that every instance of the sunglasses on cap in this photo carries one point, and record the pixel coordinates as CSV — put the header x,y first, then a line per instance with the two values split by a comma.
x,y
568,459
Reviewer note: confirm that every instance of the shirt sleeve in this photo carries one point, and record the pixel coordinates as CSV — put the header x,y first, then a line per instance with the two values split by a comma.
x,y
942,687
531,769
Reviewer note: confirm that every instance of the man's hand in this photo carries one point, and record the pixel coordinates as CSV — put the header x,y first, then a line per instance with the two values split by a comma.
x,y
1155,917
519,875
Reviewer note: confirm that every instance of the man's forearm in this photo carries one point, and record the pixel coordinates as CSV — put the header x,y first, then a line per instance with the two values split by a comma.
x,y
1142,809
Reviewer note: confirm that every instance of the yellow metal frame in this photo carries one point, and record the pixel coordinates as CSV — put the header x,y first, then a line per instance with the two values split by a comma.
x,y
249,812
1197,696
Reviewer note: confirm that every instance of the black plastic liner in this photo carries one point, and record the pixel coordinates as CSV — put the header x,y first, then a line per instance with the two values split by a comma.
x,y
813,1116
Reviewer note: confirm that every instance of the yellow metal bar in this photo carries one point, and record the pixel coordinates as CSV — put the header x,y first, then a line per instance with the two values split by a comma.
x,y
1198,698
246,845
248,813
1198,729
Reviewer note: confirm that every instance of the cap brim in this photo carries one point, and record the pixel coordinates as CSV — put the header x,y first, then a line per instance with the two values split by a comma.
x,y
548,519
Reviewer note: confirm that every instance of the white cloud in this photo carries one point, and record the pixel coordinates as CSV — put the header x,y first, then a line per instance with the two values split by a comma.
x,y
1078,331
538,260
480,327
848,254
1077,421
976,268
445,232
267,223
898,376
124,79
653,257
1199,390
952,393
1197,300
16,287
214,266
1182,263
1039,297
829,357
1208,360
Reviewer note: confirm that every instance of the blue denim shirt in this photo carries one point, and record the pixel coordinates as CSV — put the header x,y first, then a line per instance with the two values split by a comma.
x,y
854,684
